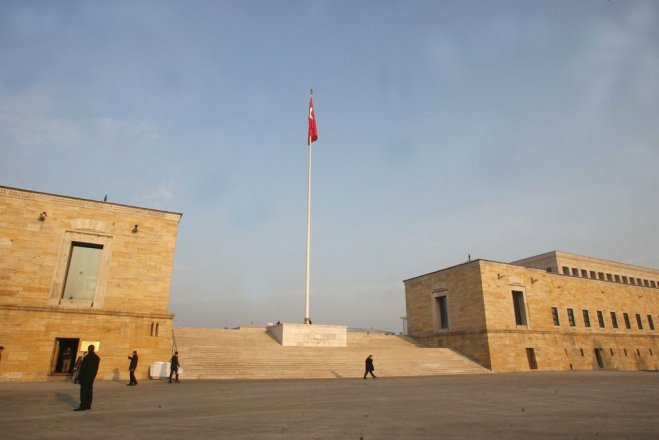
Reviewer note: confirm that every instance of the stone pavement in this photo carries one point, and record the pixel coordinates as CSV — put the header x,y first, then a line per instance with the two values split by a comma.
x,y
534,405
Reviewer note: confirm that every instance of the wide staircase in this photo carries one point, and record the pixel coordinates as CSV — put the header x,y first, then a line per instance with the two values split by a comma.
x,y
251,353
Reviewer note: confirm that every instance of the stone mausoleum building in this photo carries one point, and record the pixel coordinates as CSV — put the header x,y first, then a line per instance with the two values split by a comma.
x,y
75,272
555,311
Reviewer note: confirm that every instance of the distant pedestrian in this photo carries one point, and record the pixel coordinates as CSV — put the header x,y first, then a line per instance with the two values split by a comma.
x,y
86,375
369,368
174,367
66,360
131,368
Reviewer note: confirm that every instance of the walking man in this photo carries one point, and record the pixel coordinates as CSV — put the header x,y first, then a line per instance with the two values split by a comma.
x,y
174,367
86,376
369,368
131,368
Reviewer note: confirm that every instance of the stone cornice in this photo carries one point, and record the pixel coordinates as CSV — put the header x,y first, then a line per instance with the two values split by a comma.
x,y
86,311
86,203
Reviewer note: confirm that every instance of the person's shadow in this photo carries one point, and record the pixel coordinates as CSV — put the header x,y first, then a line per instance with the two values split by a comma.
x,y
66,398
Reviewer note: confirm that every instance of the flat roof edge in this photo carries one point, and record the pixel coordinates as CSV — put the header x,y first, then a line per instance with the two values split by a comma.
x,y
9,190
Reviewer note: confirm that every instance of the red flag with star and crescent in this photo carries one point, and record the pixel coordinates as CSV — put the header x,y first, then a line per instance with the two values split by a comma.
x,y
313,132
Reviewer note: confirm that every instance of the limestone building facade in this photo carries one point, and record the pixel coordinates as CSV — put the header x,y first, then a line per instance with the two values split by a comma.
x,y
75,272
555,311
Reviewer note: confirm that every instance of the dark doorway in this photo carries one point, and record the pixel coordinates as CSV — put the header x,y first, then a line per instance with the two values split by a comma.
x,y
64,355
598,356
530,354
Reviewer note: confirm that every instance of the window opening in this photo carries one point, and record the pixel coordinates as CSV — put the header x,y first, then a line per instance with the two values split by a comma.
x,y
554,315
570,317
518,305
628,324
82,272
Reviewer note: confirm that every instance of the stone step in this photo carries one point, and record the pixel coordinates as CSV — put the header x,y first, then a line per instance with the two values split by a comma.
x,y
251,353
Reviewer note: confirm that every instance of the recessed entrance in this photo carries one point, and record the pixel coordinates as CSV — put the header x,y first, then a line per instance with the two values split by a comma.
x,y
64,355
598,356
530,354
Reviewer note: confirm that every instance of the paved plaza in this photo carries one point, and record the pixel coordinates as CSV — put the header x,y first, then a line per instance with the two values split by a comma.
x,y
535,405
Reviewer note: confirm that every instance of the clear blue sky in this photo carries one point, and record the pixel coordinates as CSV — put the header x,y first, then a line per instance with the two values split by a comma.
x,y
500,129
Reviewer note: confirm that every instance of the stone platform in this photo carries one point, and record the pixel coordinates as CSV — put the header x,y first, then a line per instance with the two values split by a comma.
x,y
309,335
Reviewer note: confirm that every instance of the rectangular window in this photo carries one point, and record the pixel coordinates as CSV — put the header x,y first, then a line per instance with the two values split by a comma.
x,y
593,274
609,277
650,322
575,272
82,273
442,308
624,280
639,322
628,324
549,270
520,310
586,318
647,283
570,317
639,281
584,273
632,281
614,320
566,270
653,284
554,315
617,277
600,275
600,318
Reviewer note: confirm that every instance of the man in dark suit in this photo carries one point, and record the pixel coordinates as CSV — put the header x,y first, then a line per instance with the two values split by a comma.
x,y
369,368
86,376
131,368
174,367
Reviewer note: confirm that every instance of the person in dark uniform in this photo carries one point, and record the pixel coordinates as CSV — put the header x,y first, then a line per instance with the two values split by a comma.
x,y
86,376
174,367
131,368
369,368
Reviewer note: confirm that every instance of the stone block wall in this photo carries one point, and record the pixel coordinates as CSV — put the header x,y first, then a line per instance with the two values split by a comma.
x,y
466,332
495,338
128,310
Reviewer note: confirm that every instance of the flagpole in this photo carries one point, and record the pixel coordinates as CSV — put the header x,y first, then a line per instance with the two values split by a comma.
x,y
311,137
307,320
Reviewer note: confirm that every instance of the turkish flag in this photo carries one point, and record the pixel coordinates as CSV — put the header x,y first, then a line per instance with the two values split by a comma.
x,y
313,132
